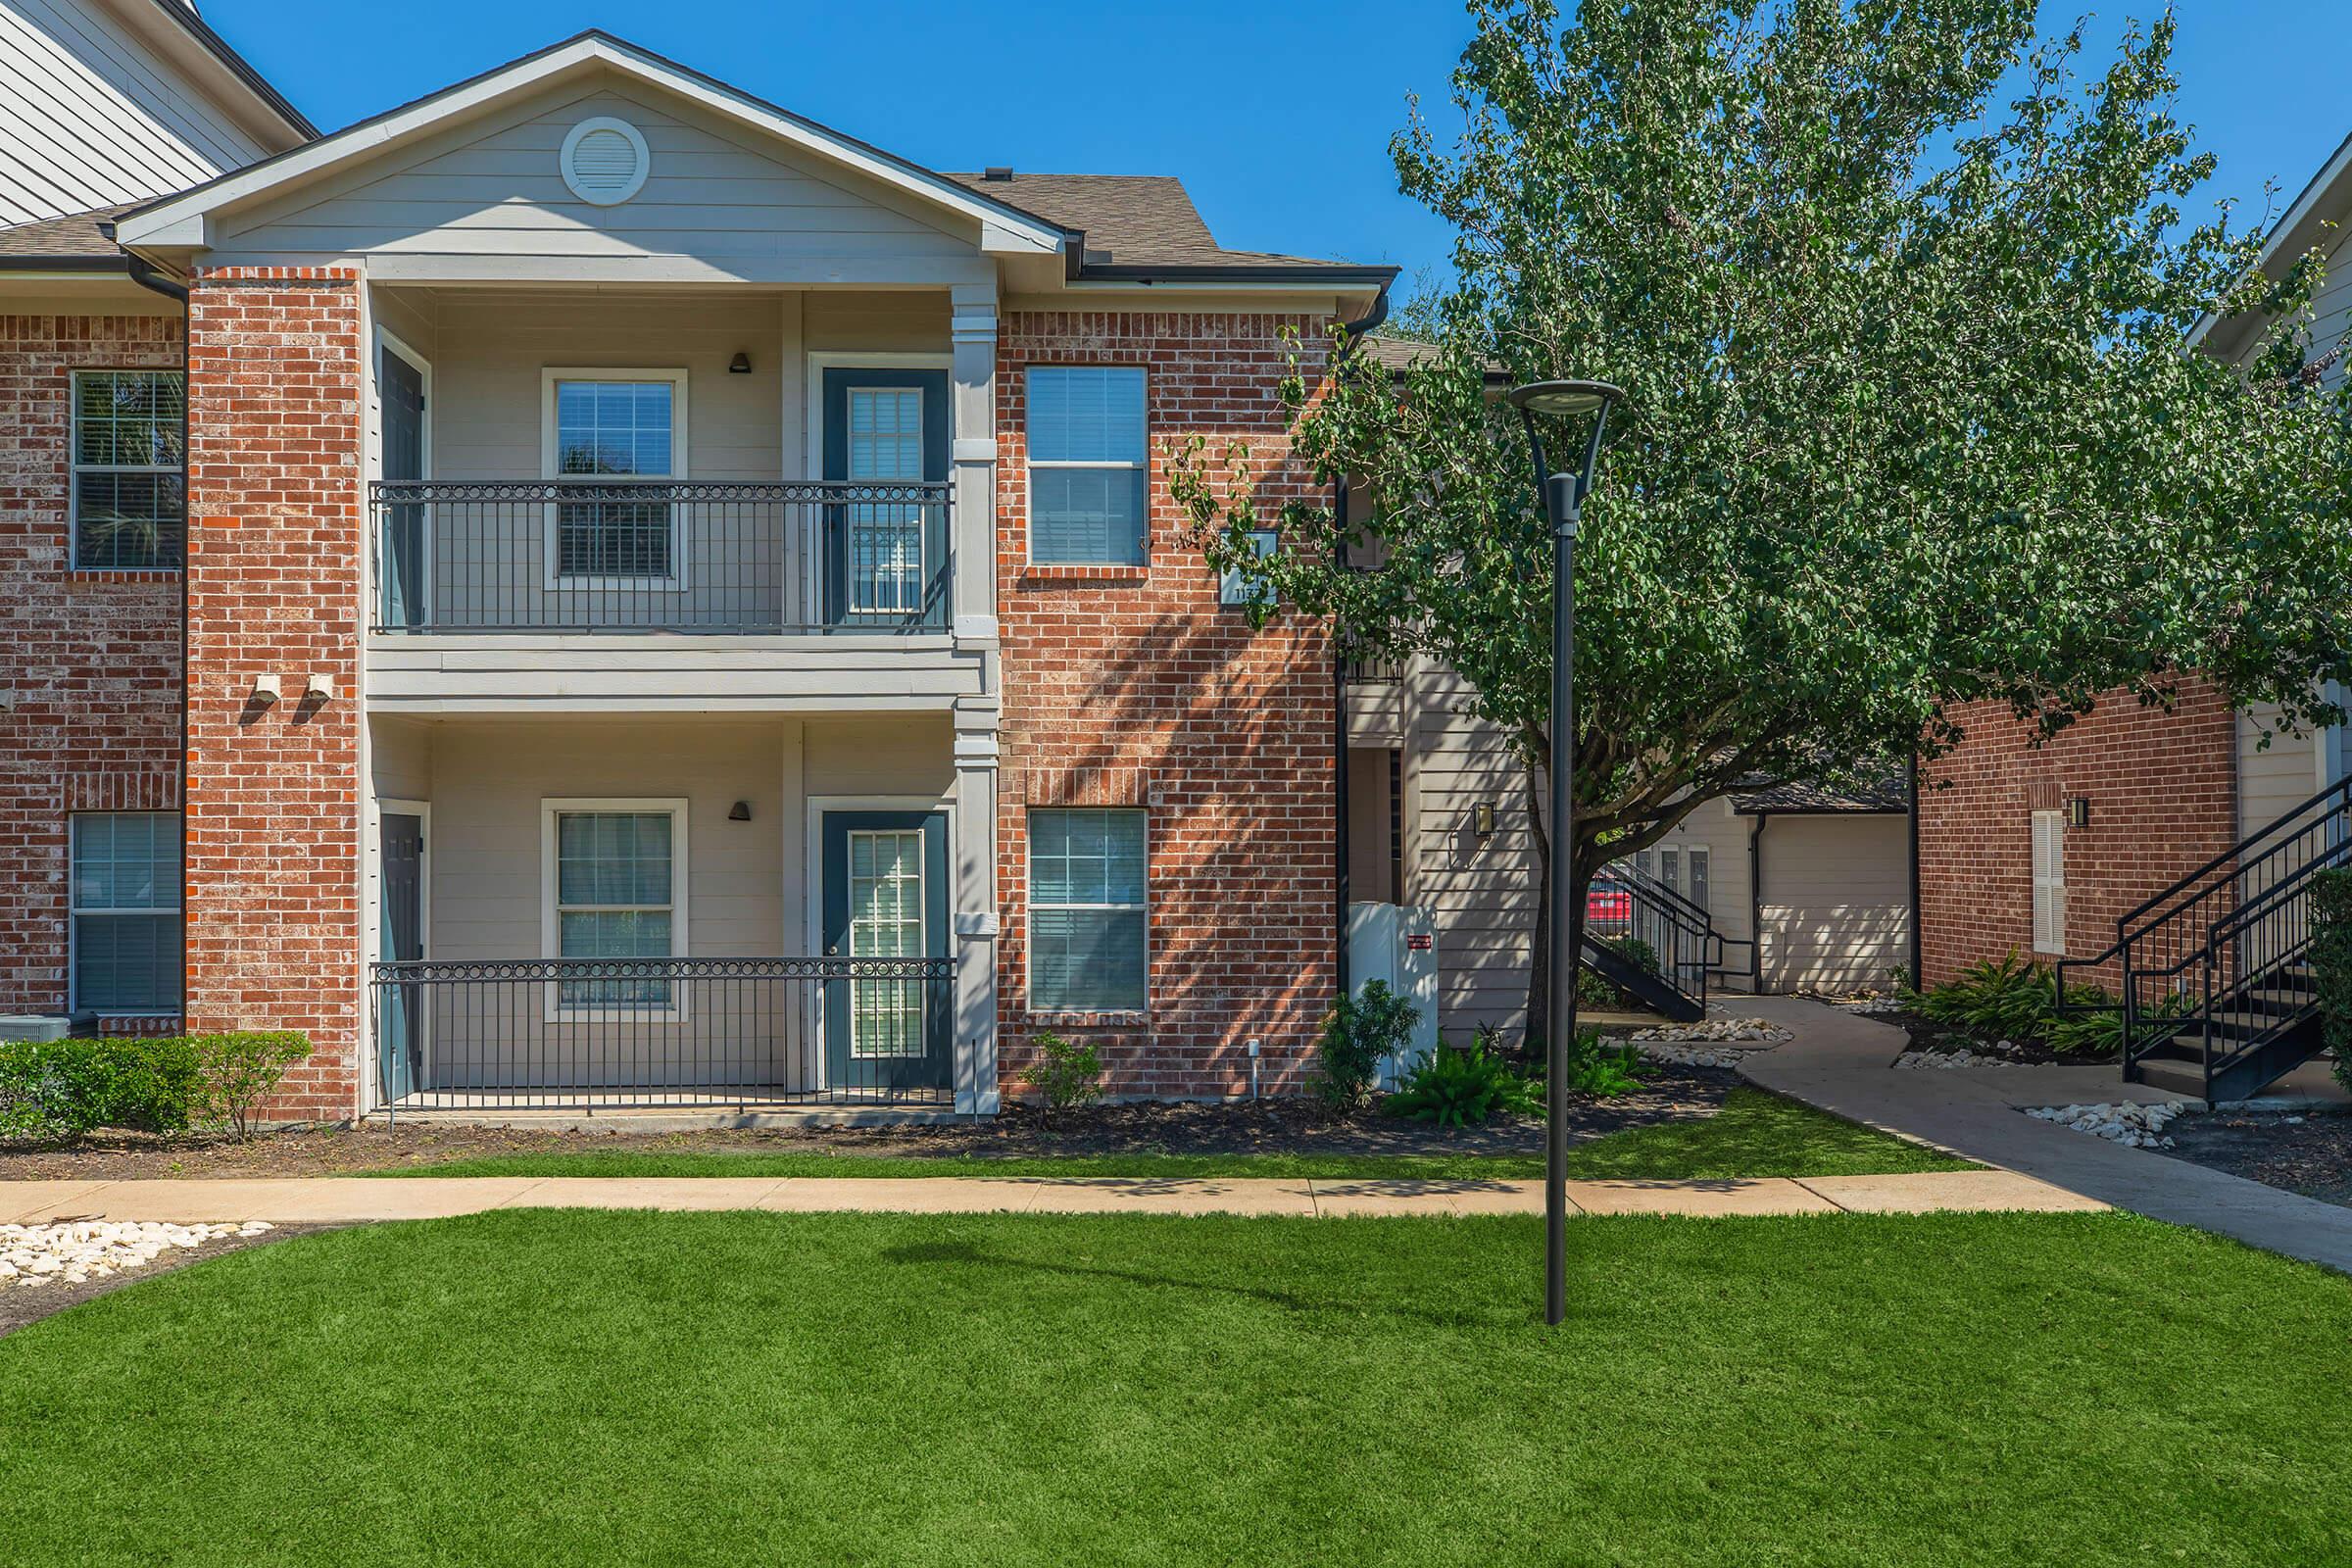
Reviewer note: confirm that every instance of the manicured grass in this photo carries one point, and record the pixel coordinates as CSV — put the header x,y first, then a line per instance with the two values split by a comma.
x,y
1755,1133
559,1387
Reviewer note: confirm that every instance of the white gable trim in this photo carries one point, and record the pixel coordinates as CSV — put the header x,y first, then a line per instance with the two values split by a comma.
x,y
2322,188
186,220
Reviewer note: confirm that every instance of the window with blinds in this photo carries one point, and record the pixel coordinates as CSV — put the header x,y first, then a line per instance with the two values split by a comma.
x,y
1086,910
130,492
126,911
1087,464
2049,882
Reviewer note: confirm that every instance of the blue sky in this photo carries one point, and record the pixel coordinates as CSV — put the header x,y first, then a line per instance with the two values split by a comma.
x,y
1275,113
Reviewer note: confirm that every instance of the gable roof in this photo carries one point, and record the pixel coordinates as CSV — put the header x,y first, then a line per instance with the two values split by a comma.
x,y
2298,228
180,220
183,14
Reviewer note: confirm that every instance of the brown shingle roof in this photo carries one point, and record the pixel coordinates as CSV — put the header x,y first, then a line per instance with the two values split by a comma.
x,y
1129,220
75,235
1766,795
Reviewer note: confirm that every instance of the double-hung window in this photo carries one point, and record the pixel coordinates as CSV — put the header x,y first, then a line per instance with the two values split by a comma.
x,y
1696,859
615,890
1086,910
126,911
627,430
1087,465
130,489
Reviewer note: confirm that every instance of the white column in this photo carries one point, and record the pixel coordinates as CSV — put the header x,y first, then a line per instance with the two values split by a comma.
x,y
975,919
973,394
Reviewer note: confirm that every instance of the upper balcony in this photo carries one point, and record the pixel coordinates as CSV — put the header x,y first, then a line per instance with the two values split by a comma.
x,y
572,555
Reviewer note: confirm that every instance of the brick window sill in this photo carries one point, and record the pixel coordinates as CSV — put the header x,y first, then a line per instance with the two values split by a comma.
x,y
121,574
1080,571
1090,1020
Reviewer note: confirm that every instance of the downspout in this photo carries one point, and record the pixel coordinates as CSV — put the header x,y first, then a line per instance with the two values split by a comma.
x,y
1755,905
144,273
1350,332
1916,947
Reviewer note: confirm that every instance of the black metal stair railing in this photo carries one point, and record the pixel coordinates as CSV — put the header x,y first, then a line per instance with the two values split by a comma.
x,y
2210,970
618,555
1679,943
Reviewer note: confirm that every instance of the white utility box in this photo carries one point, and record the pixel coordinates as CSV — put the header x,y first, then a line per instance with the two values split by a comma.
x,y
1396,943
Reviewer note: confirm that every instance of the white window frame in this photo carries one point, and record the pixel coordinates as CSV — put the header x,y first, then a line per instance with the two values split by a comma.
x,y
75,911
74,467
1695,856
1670,867
1142,465
1030,906
2046,859
550,467
551,922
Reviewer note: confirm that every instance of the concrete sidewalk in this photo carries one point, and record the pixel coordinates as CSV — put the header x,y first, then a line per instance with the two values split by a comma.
x,y
1842,1062
334,1200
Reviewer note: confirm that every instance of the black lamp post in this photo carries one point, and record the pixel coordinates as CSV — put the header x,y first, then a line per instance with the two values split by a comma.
x,y
1563,504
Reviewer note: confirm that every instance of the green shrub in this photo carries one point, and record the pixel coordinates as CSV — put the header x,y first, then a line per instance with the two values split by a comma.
x,y
66,1089
1592,991
1464,1087
1598,1067
237,1072
1358,1034
2013,998
1068,1075
2332,963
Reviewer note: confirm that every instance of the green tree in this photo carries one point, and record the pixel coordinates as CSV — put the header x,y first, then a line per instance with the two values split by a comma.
x,y
1899,302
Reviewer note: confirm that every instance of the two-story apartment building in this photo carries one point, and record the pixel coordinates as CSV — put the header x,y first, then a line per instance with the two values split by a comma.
x,y
681,605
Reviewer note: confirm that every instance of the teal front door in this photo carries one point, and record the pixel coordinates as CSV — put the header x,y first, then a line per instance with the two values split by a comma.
x,y
886,897
400,1007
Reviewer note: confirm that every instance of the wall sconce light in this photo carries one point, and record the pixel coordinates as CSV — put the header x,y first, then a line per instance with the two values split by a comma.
x,y
739,365
740,812
319,688
1482,821
2078,812
266,690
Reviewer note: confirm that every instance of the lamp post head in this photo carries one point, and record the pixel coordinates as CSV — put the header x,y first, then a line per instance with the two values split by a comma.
x,y
1563,397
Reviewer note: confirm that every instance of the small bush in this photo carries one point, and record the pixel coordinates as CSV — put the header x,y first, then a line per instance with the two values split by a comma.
x,y
1595,1067
1069,1076
2332,963
1464,1087
1592,991
2007,996
237,1072
1358,1034
66,1089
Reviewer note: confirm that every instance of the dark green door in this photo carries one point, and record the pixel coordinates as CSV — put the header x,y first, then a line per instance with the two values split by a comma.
x,y
886,897
886,563
401,559
400,1008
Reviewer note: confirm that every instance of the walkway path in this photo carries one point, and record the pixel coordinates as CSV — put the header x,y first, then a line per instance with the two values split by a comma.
x,y
1842,1062
336,1199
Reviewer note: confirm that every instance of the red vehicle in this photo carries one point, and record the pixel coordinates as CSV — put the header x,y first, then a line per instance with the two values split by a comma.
x,y
1607,908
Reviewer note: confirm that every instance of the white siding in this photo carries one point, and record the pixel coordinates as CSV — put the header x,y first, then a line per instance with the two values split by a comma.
x,y
2332,309
1712,825
1836,902
491,189
91,116
2272,779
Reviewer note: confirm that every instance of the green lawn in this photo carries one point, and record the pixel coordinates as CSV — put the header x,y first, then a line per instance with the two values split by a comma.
x,y
547,1388
1756,1133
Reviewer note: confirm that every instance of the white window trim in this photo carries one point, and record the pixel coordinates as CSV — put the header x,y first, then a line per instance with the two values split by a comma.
x,y
922,904
675,581
1143,464
551,928
1030,906
75,468
74,912
2053,883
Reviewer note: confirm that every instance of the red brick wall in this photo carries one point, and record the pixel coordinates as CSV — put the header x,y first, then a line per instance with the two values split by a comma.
x,y
89,660
1130,686
273,586
2163,791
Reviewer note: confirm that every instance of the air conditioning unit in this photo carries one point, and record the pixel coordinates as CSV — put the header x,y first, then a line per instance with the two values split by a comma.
x,y
38,1027
1396,943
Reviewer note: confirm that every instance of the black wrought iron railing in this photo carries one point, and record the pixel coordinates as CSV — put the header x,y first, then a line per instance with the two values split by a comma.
x,y
2212,968
659,555
589,1033
1654,927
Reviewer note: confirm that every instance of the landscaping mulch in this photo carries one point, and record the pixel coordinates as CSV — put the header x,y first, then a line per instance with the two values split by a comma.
x,y
2298,1152
2024,1050
20,1304
1020,1131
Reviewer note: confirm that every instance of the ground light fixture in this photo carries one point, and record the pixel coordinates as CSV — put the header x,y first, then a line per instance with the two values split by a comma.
x,y
1563,506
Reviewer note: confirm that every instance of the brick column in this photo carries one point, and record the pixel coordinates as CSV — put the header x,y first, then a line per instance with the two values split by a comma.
x,y
273,588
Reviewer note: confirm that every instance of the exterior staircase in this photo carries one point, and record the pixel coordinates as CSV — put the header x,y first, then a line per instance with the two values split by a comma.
x,y
2217,997
1626,908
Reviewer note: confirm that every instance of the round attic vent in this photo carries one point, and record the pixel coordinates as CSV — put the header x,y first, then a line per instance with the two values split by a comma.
x,y
603,161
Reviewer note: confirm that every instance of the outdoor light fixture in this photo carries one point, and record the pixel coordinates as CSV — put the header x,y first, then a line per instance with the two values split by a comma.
x,y
1563,506
740,812
2078,812
739,365
1482,821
